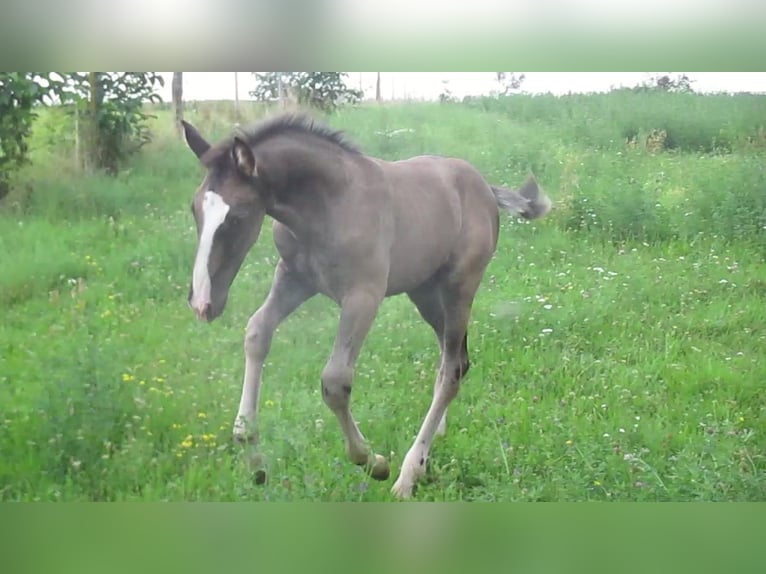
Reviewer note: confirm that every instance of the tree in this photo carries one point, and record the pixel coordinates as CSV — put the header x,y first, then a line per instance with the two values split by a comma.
x,y
446,94
111,105
20,93
178,100
509,82
377,87
668,83
108,106
322,90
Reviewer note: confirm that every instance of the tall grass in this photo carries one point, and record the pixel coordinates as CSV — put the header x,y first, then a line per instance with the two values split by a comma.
x,y
692,122
595,151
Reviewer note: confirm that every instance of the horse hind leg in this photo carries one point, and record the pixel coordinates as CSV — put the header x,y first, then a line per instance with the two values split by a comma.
x,y
456,305
465,364
428,301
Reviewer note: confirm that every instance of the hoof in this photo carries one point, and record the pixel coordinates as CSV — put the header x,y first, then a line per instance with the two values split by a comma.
x,y
380,470
257,464
402,490
408,478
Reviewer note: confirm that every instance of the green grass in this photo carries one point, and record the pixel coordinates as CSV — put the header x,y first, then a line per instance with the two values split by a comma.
x,y
616,346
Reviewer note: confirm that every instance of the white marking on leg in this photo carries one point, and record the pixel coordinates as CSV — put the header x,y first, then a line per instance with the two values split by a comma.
x,y
441,430
285,296
257,343
414,464
244,424
214,210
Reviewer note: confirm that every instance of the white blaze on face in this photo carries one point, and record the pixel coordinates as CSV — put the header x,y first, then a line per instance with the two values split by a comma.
x,y
214,210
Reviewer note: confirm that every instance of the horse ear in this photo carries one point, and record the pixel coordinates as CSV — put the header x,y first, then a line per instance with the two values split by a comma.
x,y
243,158
194,140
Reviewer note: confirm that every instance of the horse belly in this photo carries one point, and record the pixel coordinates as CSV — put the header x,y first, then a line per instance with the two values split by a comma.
x,y
423,243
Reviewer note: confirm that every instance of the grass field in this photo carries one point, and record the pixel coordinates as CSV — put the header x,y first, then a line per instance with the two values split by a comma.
x,y
618,346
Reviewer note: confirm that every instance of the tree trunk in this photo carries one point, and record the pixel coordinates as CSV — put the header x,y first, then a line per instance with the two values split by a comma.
x,y
377,88
178,100
77,137
91,157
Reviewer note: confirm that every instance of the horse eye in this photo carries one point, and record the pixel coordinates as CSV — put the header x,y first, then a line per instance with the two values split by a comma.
x,y
236,215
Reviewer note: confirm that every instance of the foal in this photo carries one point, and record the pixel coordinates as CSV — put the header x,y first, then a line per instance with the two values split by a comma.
x,y
356,229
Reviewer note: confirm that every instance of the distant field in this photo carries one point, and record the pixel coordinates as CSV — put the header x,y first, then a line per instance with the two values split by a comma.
x,y
618,347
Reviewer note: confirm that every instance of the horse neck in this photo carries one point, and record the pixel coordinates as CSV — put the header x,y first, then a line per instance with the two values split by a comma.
x,y
305,175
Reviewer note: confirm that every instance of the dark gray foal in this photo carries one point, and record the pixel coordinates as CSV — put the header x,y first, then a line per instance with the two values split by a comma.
x,y
356,229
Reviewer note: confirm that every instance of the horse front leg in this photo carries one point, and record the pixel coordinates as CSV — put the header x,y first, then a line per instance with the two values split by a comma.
x,y
358,310
287,293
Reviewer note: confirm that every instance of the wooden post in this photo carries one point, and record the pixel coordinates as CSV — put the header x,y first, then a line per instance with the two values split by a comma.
x,y
91,152
236,95
178,101
280,90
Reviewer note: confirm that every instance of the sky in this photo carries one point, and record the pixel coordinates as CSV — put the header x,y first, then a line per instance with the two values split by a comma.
x,y
428,85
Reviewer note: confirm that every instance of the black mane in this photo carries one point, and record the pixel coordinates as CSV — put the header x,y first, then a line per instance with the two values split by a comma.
x,y
294,124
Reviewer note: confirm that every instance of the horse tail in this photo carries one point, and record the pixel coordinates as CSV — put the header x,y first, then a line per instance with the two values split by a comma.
x,y
529,201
